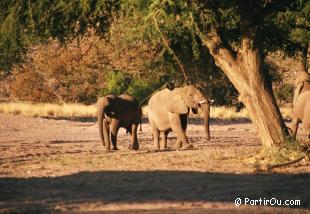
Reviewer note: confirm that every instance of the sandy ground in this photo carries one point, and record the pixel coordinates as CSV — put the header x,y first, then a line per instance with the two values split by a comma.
x,y
49,165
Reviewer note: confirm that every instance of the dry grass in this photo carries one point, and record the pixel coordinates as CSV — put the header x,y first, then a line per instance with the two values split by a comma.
x,y
80,110
52,110
227,113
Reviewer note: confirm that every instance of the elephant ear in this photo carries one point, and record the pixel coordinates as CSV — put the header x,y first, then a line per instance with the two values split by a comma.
x,y
177,105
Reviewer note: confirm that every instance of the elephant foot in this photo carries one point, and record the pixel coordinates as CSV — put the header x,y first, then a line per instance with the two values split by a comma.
x,y
134,147
187,146
106,149
156,148
163,148
178,146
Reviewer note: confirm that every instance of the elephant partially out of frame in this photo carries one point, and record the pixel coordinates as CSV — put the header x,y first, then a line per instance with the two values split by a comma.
x,y
115,112
301,104
168,111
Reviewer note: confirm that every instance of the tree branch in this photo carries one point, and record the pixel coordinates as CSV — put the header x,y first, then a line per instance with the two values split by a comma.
x,y
170,49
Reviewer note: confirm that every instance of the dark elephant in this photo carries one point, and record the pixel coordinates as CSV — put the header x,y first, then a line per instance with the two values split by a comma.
x,y
115,112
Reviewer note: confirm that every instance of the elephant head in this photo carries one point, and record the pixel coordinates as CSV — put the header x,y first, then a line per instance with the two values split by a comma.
x,y
189,97
302,84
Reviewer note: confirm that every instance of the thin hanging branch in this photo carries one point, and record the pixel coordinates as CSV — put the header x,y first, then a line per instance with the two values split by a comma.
x,y
307,153
170,49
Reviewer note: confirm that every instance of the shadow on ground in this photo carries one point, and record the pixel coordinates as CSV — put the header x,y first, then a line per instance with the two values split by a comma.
x,y
145,120
44,193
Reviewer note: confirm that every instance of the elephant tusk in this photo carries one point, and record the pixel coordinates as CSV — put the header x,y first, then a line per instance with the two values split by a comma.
x,y
202,102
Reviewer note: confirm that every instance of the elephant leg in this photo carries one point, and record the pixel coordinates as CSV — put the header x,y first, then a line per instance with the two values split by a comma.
x,y
183,119
114,130
155,133
178,143
134,139
294,125
176,126
106,134
306,124
156,139
163,142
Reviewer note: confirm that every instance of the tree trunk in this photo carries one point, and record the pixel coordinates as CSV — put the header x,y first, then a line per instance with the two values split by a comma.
x,y
245,72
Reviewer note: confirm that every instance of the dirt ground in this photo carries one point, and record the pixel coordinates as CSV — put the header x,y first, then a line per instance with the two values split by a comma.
x,y
49,165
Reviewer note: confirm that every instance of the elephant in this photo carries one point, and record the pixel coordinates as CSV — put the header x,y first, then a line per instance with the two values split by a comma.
x,y
168,111
302,84
301,113
115,112
301,104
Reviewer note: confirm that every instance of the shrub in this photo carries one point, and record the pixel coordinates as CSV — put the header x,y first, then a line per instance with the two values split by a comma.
x,y
59,74
117,83
284,93
29,86
141,89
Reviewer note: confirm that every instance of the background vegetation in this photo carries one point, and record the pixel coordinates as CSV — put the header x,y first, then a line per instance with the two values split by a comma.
x,y
75,51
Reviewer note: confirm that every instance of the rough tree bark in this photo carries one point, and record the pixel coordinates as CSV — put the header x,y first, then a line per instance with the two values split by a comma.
x,y
244,69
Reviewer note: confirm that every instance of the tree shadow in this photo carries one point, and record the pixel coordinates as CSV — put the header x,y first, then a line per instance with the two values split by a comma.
x,y
150,186
145,120
74,119
71,141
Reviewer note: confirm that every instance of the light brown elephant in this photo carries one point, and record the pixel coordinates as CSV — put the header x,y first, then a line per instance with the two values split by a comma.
x,y
168,111
301,104
115,112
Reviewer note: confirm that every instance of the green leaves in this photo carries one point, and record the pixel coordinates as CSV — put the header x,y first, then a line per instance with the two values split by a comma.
x,y
25,22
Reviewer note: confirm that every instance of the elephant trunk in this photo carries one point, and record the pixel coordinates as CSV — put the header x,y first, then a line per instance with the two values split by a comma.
x,y
206,116
103,125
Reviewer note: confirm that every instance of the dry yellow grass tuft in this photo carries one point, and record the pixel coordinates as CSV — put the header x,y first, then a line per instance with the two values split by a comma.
x,y
227,113
51,110
80,110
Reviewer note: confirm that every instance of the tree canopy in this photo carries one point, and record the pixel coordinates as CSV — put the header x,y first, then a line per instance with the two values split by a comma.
x,y
24,23
284,24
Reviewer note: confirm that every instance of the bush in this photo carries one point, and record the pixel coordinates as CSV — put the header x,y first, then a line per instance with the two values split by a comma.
x,y
284,93
29,86
117,82
141,89
59,74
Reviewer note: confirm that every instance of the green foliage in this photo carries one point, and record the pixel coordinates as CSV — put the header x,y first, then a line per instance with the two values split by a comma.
x,y
288,29
143,88
117,83
175,26
283,25
26,22
11,39
285,93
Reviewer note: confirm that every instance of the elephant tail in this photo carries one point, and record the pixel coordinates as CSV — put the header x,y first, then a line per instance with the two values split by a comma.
x,y
102,122
140,129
